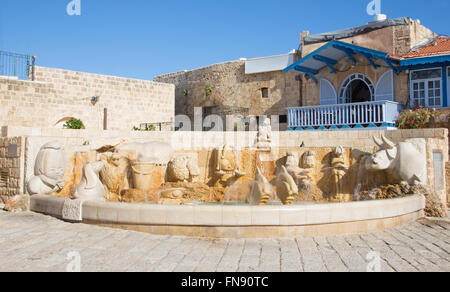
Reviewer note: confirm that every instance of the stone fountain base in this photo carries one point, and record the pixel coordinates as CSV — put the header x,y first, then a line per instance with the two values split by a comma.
x,y
223,221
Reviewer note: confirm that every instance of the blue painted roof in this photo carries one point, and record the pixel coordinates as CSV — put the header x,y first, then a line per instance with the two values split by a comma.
x,y
335,50
425,60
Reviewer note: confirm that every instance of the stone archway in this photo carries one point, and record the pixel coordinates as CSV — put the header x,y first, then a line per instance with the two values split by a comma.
x,y
61,122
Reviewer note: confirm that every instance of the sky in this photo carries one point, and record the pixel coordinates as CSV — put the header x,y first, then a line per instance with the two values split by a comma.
x,y
146,38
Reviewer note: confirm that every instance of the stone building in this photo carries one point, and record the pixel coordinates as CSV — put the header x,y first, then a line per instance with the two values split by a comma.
x,y
237,88
100,102
353,77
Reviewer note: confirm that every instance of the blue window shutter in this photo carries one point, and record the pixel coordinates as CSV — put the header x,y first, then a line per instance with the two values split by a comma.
x,y
328,94
385,87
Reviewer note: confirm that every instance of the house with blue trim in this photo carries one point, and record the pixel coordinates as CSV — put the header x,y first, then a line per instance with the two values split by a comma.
x,y
356,78
363,77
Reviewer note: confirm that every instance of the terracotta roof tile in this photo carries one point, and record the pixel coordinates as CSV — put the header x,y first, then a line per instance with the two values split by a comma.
x,y
439,46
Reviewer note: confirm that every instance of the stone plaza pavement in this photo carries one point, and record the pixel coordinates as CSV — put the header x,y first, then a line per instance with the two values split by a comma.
x,y
33,242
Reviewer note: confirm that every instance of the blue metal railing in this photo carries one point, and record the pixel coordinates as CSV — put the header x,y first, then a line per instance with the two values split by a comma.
x,y
17,65
367,114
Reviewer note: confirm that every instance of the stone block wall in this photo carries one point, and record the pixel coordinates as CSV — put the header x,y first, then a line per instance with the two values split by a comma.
x,y
233,91
57,95
12,151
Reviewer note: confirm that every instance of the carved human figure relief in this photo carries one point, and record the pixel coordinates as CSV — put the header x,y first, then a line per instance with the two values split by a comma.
x,y
339,171
264,138
48,170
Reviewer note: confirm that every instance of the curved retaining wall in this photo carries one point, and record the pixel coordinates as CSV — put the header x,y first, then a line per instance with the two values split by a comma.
x,y
238,221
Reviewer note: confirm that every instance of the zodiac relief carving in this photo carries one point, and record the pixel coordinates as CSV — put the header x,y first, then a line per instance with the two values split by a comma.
x,y
339,171
183,168
228,164
287,189
302,176
90,187
48,170
264,139
261,191
115,174
402,161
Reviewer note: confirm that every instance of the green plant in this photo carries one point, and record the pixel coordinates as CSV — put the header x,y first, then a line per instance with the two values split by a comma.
x,y
147,128
208,90
186,92
73,124
415,119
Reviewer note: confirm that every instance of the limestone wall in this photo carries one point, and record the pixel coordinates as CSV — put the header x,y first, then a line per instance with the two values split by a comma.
x,y
60,94
233,91
12,152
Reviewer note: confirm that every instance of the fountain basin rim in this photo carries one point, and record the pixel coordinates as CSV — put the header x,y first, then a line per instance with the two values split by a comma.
x,y
228,216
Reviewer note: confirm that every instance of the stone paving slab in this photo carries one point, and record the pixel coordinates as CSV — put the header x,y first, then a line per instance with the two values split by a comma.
x,y
34,242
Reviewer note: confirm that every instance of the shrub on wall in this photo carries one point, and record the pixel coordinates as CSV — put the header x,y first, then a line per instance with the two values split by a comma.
x,y
208,90
415,119
73,124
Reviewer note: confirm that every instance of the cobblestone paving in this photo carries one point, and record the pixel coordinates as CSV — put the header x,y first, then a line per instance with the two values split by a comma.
x,y
33,242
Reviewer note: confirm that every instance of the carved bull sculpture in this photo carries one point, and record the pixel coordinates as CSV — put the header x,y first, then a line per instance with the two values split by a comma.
x,y
402,161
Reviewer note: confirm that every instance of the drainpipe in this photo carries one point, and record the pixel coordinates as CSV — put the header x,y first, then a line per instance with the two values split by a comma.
x,y
33,68
300,89
105,119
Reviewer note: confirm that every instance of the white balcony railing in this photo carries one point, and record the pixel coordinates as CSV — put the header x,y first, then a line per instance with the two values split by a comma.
x,y
355,115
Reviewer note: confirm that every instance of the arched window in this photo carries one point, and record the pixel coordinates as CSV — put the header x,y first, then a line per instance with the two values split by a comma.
x,y
356,88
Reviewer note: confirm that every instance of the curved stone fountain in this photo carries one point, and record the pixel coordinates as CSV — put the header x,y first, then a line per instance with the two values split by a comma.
x,y
233,192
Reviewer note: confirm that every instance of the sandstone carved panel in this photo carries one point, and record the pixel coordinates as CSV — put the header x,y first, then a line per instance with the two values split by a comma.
x,y
48,170
90,187
403,162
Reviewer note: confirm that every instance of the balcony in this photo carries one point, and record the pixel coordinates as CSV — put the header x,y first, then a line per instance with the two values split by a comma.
x,y
16,66
367,115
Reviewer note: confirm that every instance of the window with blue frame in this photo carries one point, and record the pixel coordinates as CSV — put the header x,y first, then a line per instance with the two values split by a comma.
x,y
426,88
448,83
